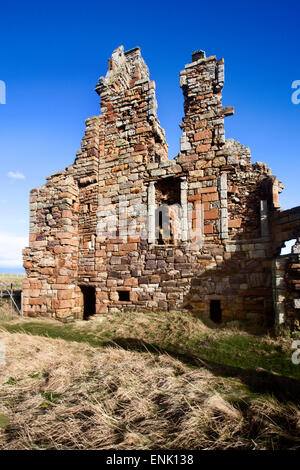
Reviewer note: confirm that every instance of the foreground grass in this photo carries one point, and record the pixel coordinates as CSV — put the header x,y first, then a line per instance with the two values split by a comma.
x,y
58,394
175,333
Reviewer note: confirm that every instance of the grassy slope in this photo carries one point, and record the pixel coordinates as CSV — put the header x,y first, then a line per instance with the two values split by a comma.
x,y
180,384
56,394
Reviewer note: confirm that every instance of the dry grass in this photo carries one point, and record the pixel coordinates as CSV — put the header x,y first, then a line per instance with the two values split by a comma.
x,y
65,395
7,311
174,333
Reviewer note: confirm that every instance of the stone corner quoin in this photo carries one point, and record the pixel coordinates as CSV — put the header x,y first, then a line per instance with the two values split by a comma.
x,y
125,228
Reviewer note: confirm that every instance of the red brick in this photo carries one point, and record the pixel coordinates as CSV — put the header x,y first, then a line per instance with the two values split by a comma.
x,y
129,246
210,197
203,148
131,282
234,223
208,229
195,197
202,135
211,214
64,294
66,214
209,189
37,301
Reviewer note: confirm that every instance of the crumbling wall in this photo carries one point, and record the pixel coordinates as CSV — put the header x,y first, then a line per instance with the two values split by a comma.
x,y
219,179
286,269
220,208
51,261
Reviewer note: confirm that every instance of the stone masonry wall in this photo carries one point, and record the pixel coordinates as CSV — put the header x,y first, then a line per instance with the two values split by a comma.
x,y
107,232
51,261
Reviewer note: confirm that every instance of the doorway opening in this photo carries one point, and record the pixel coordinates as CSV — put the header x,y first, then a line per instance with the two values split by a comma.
x,y
160,240
215,313
89,301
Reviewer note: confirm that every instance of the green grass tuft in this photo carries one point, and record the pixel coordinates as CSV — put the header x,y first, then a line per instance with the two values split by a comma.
x,y
171,332
4,421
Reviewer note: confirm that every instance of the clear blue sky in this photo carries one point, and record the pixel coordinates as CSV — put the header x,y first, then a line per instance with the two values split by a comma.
x,y
52,54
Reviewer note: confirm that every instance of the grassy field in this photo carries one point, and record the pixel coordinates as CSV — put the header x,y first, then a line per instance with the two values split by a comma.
x,y
146,381
14,279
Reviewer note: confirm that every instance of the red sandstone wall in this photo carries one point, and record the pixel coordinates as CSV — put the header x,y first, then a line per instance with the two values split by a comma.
x,y
123,152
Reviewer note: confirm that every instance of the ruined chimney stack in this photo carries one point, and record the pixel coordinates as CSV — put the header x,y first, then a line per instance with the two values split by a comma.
x,y
197,55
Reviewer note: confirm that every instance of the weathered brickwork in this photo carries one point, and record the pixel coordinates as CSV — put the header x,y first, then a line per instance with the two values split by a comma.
x,y
104,232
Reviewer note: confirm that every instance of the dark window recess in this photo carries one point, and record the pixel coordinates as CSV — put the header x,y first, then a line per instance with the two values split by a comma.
x,y
121,128
167,191
215,311
124,295
160,229
84,182
167,194
89,301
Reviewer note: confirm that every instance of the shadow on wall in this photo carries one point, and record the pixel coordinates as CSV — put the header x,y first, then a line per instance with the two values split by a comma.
x,y
236,289
240,287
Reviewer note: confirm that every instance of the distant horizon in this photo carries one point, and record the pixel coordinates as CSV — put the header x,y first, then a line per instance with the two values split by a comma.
x,y
12,271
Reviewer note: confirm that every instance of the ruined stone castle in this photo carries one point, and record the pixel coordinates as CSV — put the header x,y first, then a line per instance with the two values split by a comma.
x,y
126,228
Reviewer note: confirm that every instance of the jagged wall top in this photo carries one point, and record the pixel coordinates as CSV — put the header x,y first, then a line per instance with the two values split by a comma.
x,y
124,70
